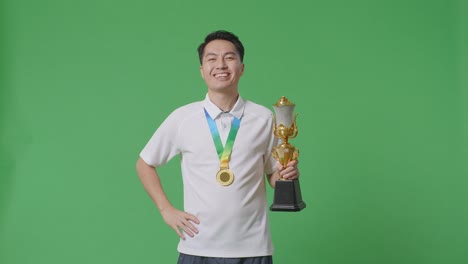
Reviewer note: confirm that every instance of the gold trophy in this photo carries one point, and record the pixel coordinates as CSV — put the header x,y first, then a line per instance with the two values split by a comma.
x,y
287,192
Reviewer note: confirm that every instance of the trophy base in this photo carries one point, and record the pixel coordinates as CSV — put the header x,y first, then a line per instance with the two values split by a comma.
x,y
288,196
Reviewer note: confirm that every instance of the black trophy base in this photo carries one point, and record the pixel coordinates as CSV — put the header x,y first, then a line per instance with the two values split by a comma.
x,y
288,196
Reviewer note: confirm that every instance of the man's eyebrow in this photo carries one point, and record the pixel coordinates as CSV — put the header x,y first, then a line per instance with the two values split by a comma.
x,y
230,53
215,54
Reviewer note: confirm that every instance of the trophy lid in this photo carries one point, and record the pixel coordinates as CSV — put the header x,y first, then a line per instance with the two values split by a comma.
x,y
283,101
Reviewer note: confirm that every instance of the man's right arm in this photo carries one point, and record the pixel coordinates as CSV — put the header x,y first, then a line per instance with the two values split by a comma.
x,y
176,219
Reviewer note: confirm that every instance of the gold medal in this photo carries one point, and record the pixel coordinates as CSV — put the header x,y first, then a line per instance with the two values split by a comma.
x,y
225,177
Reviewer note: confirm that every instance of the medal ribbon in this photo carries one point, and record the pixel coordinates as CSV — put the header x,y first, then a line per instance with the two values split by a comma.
x,y
224,153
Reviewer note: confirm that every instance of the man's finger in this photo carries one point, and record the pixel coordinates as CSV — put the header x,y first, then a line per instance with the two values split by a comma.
x,y
187,231
179,233
192,218
192,227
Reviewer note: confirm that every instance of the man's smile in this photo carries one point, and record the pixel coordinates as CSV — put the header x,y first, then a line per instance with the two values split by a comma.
x,y
221,75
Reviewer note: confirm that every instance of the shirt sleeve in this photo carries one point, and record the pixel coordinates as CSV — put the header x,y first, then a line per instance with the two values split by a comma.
x,y
270,162
162,146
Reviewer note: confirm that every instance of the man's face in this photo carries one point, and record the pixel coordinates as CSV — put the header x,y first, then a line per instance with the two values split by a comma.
x,y
221,65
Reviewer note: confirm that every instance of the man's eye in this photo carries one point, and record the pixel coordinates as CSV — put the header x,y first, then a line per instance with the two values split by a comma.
x,y
211,59
230,58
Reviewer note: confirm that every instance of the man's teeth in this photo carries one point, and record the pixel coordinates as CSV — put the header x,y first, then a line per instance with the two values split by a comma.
x,y
221,75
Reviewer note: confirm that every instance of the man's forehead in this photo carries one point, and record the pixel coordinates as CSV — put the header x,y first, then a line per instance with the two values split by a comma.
x,y
219,46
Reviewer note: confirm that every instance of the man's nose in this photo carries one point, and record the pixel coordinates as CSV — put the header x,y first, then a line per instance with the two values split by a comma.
x,y
221,64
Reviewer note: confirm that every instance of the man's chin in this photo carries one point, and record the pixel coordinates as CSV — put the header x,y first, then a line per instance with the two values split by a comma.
x,y
225,87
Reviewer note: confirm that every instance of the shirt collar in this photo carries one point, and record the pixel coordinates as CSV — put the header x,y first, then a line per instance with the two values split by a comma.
x,y
214,111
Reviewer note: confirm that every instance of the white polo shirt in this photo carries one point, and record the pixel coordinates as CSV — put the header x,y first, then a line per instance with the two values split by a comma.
x,y
233,219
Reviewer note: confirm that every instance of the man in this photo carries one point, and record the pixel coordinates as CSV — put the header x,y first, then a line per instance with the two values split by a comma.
x,y
225,145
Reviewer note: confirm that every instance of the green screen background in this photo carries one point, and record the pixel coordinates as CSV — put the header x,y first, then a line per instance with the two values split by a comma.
x,y
380,88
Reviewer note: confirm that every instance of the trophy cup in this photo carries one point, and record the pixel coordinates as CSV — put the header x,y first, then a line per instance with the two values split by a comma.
x,y
287,192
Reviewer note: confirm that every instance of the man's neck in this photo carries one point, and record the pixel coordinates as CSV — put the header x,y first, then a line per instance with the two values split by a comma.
x,y
224,101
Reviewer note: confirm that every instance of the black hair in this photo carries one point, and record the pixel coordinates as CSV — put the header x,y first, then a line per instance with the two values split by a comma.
x,y
223,35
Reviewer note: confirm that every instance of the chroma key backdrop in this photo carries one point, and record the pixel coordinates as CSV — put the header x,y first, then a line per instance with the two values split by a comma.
x,y
380,88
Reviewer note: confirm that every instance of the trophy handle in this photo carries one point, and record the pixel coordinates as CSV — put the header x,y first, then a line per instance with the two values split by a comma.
x,y
293,128
295,154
